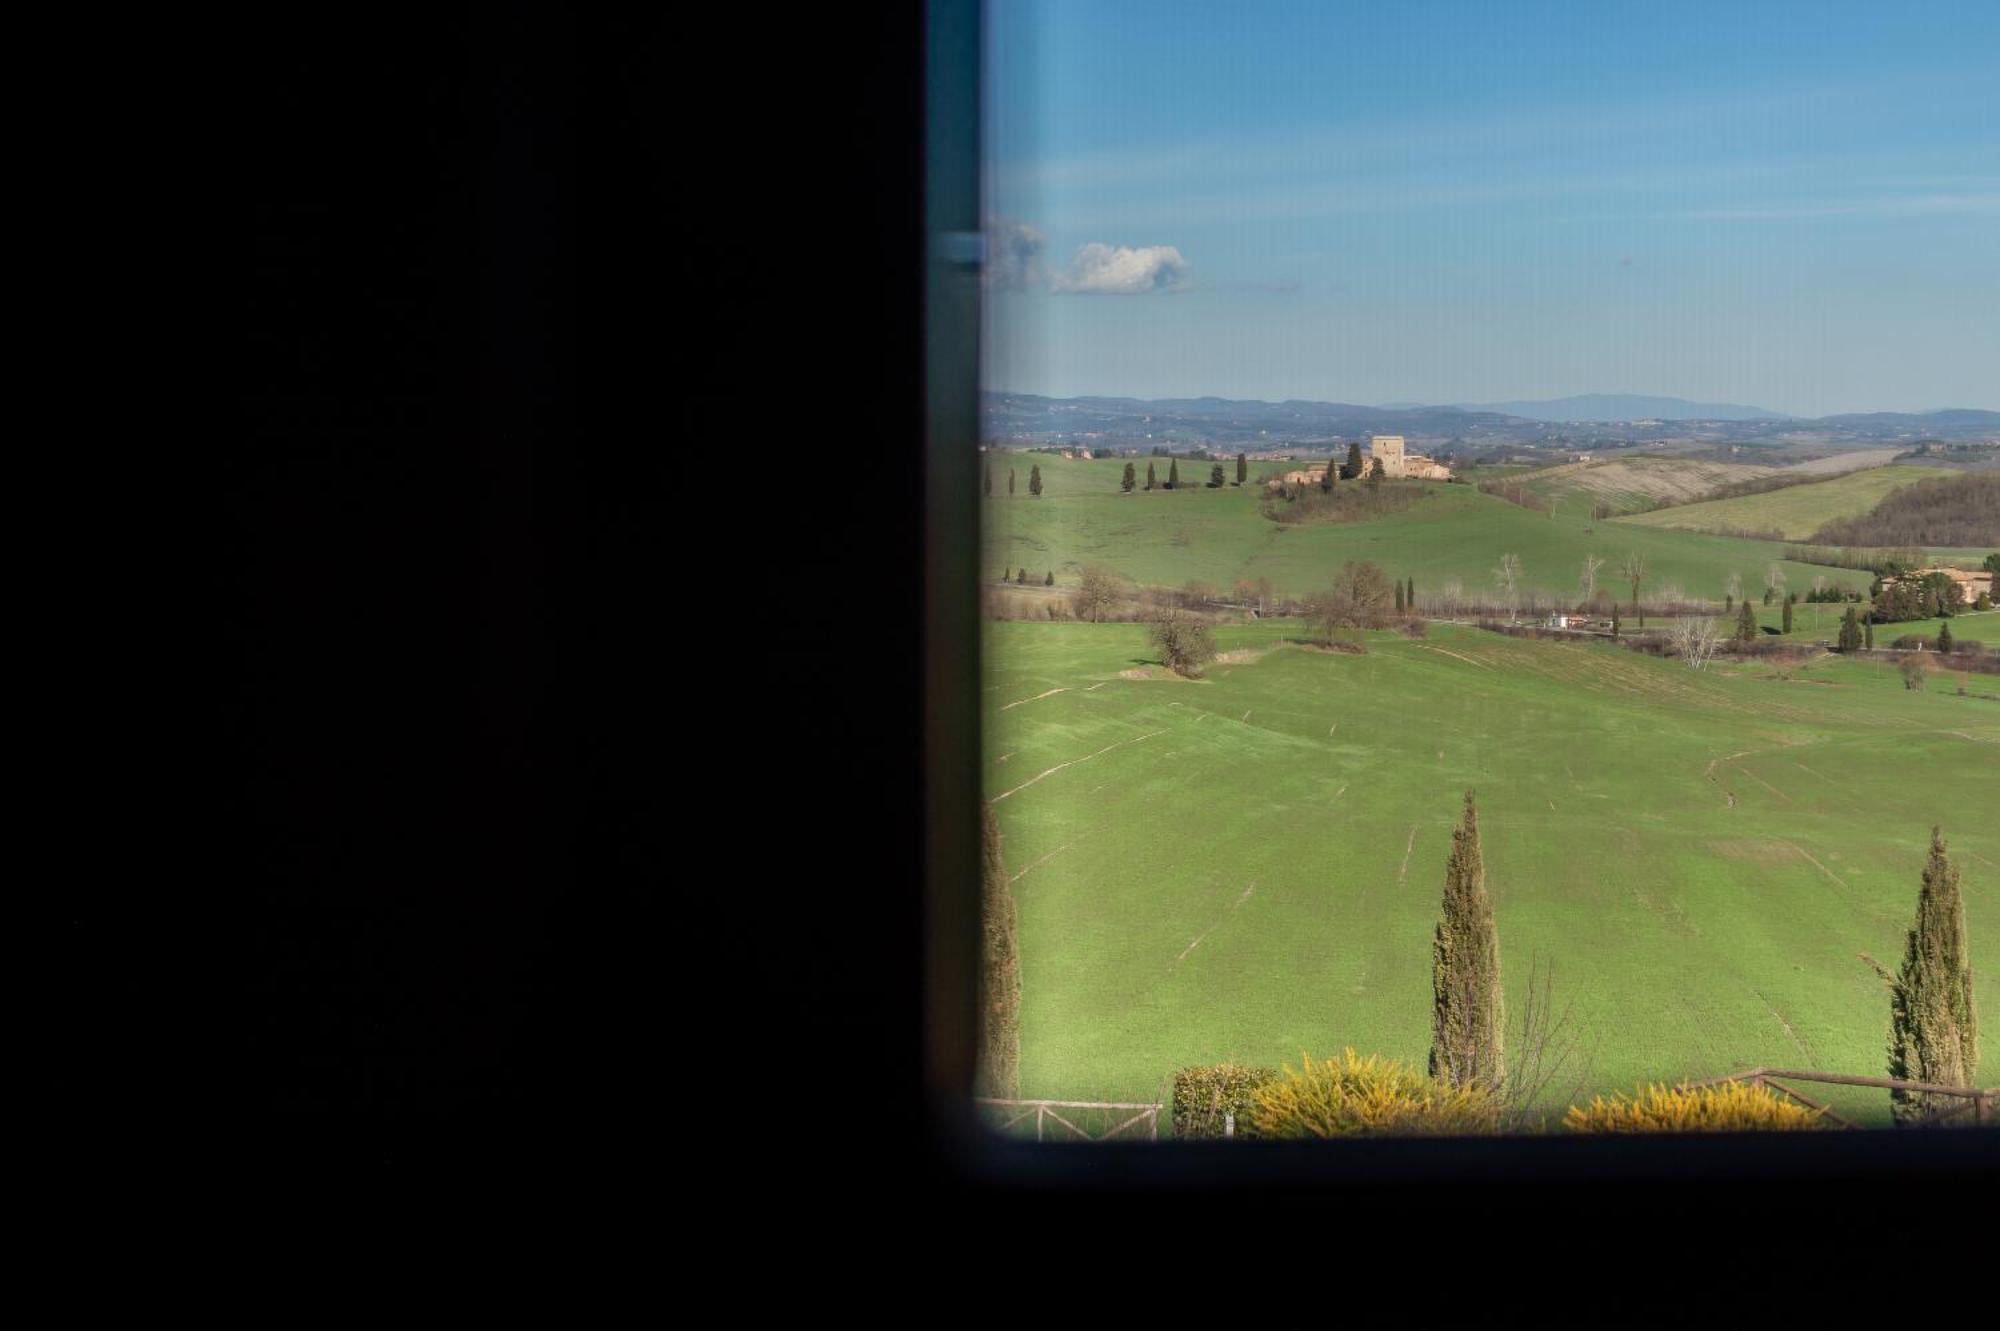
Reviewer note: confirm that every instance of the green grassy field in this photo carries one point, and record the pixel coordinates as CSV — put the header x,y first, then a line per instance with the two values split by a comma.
x,y
1249,867
1452,531
1798,511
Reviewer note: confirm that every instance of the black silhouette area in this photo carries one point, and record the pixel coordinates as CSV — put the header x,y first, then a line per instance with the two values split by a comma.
x,y
551,875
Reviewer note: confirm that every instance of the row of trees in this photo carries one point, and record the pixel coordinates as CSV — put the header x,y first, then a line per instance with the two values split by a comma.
x,y
1034,480
1216,477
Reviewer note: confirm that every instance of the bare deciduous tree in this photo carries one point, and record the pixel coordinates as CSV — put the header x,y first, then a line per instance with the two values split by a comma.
x,y
1634,571
1358,599
1695,640
1774,581
1098,594
1507,575
1734,588
1548,1048
1184,641
1587,583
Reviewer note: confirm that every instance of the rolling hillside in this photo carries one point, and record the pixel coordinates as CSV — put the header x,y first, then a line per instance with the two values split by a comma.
x,y
1798,511
1630,484
1451,531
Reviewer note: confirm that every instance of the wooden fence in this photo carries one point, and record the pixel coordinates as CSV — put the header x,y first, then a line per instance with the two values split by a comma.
x,y
1047,1111
1980,1101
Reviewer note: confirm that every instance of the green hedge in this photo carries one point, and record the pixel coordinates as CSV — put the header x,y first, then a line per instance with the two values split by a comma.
x,y
1204,1096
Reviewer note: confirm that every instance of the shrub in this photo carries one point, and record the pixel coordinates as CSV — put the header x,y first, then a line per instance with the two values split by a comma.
x,y
1204,1096
1183,641
1371,1096
1916,670
1729,1107
1415,628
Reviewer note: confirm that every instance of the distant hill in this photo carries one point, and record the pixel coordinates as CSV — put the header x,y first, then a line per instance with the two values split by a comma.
x,y
1961,417
1592,421
1129,421
1627,407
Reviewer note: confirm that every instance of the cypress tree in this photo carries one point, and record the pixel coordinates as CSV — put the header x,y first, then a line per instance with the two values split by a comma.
x,y
1129,480
1614,621
1850,630
1944,638
999,973
1216,480
1332,473
1788,616
1410,594
1035,481
1746,624
1466,1009
1242,468
1050,581
1375,474
1152,479
1353,467
1933,1027
1728,602
1173,474
1022,576
1399,598
1868,630
1010,480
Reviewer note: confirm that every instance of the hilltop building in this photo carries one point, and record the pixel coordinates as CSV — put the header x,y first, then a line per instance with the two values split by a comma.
x,y
1389,449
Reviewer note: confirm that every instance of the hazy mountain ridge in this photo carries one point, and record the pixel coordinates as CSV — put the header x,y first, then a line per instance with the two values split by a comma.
x,y
1627,407
1244,423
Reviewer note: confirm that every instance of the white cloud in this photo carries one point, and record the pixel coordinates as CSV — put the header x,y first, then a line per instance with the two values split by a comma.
x,y
1122,270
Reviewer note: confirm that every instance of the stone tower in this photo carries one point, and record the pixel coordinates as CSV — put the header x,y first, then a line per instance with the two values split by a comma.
x,y
1389,448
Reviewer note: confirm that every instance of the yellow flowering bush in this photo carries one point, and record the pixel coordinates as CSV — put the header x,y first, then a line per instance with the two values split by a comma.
x,y
1728,1107
1372,1096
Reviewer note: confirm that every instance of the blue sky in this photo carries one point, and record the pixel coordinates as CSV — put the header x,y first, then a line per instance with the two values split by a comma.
x,y
1792,206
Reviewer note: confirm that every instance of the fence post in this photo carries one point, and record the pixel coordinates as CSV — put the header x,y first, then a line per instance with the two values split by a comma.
x,y
1039,1111
1229,1123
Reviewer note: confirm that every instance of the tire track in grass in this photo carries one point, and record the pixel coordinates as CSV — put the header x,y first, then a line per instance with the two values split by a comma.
x,y
1790,1034
1765,784
1037,698
1809,856
1015,878
1073,762
1217,925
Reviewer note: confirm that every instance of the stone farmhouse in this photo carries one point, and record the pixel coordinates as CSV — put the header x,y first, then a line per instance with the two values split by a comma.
x,y
1389,450
1973,583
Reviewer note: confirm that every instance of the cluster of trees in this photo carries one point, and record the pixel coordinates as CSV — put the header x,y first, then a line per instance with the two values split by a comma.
x,y
1929,596
1327,502
1947,510
1857,557
1515,493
